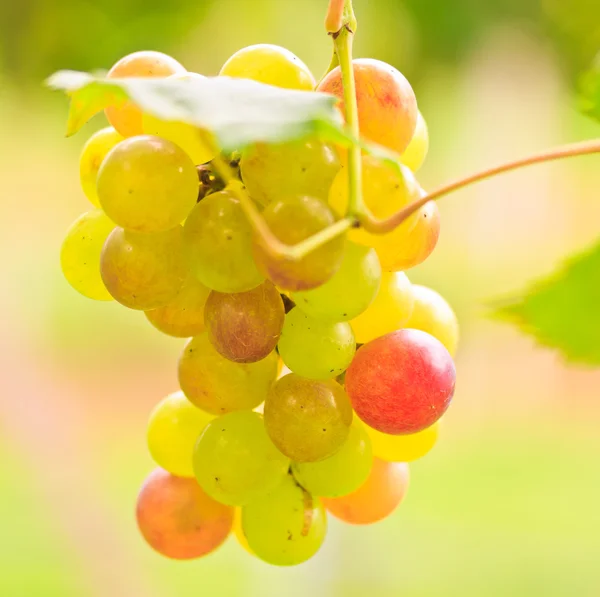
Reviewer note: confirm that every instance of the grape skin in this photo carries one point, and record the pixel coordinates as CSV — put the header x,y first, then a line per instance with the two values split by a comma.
x,y
235,462
403,448
307,420
218,385
244,327
416,152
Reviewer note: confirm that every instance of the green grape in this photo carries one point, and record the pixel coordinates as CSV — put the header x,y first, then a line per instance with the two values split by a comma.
x,y
305,167
218,242
147,184
80,254
173,429
183,317
92,156
349,292
143,271
416,152
285,527
316,349
307,420
197,143
390,310
218,385
342,473
291,221
235,462
269,64
245,326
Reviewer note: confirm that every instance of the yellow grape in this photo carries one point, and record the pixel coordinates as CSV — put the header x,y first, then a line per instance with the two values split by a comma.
x,y
238,531
390,310
416,152
92,156
269,64
403,448
80,254
127,117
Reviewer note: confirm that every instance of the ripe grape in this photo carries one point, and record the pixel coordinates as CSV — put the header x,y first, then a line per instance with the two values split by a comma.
x,y
377,498
92,156
305,167
218,385
235,462
391,309
316,349
183,317
173,429
434,315
349,292
291,221
239,532
143,271
387,107
342,473
147,184
307,420
127,117
419,243
197,143
80,254
285,527
218,242
403,448
269,64
385,191
416,152
245,326
178,519
402,382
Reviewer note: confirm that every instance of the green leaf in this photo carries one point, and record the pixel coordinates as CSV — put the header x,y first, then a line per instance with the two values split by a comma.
x,y
563,310
589,99
239,112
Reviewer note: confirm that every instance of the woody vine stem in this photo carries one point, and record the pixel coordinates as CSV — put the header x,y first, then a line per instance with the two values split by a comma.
x,y
341,24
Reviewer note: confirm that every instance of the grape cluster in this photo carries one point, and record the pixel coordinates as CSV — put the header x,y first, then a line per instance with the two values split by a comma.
x,y
306,386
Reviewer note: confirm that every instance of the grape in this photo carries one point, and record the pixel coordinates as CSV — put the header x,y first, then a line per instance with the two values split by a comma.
x,y
245,326
269,64
178,519
235,462
387,107
147,184
287,526
127,117
390,310
315,349
349,292
217,385
402,382
291,221
218,242
403,448
92,156
416,152
183,317
80,254
197,143
377,498
305,167
342,473
174,426
419,243
307,420
239,532
143,271
434,315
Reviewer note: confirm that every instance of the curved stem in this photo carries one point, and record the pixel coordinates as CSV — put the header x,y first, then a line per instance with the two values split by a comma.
x,y
564,151
334,62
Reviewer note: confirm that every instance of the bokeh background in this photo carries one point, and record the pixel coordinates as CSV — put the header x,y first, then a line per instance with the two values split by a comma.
x,y
509,501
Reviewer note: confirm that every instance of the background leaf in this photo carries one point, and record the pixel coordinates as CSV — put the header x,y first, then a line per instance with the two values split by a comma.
x,y
563,310
238,111
589,100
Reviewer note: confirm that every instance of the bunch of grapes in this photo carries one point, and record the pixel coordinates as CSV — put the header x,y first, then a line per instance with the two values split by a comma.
x,y
306,386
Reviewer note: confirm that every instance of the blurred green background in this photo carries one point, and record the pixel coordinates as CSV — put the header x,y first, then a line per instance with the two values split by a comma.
x,y
509,501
